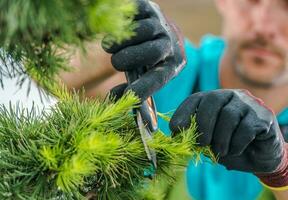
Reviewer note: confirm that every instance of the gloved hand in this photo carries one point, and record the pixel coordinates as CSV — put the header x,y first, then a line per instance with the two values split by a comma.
x,y
241,130
156,51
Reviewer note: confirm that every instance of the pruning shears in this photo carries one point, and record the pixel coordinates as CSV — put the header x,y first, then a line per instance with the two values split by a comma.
x,y
146,119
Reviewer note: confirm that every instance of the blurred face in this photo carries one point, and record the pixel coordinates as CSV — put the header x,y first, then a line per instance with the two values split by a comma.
x,y
257,35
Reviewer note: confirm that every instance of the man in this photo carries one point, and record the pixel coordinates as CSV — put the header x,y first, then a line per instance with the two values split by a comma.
x,y
240,128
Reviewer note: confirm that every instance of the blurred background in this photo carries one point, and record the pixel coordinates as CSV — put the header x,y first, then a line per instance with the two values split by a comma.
x,y
194,17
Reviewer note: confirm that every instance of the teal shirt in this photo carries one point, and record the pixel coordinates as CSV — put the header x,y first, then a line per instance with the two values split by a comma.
x,y
207,181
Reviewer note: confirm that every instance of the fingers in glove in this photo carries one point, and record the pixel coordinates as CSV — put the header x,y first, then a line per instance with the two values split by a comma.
x,y
249,161
208,112
117,92
145,54
144,10
240,163
181,119
227,122
153,80
243,136
147,30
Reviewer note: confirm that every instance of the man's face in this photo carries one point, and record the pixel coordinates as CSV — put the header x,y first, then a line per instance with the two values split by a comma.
x,y
257,35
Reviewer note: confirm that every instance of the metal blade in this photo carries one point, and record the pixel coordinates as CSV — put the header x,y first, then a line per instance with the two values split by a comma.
x,y
146,136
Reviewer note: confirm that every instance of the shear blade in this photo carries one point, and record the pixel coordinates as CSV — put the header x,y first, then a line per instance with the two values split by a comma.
x,y
146,136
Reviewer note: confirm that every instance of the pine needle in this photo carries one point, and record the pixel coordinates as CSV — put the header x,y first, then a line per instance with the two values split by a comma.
x,y
85,148
37,38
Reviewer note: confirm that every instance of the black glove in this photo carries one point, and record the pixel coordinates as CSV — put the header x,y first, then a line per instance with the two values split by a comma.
x,y
240,129
156,51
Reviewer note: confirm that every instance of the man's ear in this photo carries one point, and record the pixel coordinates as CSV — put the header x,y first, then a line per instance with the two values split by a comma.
x,y
220,5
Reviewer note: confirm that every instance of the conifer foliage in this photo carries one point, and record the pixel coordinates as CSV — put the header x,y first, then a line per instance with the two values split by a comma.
x,y
80,148
35,34
85,149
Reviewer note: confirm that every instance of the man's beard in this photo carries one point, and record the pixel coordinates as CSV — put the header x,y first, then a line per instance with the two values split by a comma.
x,y
249,81
258,42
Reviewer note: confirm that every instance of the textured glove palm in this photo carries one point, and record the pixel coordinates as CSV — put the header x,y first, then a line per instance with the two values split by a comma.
x,y
241,130
156,52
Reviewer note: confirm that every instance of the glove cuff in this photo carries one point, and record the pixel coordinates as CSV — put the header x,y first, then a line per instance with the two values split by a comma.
x,y
278,180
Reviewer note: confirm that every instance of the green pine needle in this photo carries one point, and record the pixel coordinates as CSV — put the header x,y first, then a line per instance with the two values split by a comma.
x,y
38,37
82,148
85,149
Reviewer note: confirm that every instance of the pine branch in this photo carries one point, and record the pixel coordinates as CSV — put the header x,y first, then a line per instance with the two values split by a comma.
x,y
36,36
81,148
84,149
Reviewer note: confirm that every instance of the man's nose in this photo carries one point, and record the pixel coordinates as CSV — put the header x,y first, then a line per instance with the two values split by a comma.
x,y
263,22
